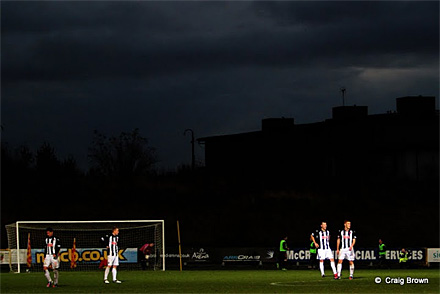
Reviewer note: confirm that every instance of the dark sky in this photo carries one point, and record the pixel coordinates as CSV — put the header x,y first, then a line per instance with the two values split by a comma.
x,y
69,68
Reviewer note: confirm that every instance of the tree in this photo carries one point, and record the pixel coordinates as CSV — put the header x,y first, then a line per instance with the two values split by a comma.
x,y
16,164
127,155
47,163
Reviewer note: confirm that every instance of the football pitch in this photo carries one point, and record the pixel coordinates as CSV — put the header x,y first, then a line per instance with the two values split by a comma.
x,y
228,281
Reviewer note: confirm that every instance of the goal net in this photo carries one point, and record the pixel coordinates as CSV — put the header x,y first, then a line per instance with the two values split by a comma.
x,y
82,247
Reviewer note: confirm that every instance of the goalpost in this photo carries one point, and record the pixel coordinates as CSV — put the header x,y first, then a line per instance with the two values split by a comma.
x,y
81,245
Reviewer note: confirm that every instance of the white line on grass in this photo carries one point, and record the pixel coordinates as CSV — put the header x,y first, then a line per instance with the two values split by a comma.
x,y
294,283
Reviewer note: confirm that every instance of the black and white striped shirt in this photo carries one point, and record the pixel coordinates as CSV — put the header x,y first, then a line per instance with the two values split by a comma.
x,y
324,238
52,246
113,245
346,238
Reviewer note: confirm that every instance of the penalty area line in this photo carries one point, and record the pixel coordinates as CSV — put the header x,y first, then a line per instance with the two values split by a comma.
x,y
294,283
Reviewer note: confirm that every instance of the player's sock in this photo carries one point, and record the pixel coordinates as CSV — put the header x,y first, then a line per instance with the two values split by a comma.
x,y
55,276
332,264
339,268
107,270
351,270
114,272
47,275
321,267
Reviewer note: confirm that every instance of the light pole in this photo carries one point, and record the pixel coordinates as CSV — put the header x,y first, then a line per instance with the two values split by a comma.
x,y
193,159
343,95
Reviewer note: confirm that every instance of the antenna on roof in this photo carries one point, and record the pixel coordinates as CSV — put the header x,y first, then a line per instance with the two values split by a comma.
x,y
343,95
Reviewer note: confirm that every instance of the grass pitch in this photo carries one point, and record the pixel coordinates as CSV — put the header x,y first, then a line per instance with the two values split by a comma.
x,y
225,281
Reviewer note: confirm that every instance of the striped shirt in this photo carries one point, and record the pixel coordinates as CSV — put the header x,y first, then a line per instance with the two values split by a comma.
x,y
52,246
324,238
346,238
112,244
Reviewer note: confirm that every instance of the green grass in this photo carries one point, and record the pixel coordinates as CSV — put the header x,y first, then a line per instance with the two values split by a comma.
x,y
222,281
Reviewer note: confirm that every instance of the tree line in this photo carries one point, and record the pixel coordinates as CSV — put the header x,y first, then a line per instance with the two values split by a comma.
x,y
125,155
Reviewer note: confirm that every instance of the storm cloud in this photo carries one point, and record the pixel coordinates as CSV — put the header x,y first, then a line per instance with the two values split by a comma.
x,y
216,67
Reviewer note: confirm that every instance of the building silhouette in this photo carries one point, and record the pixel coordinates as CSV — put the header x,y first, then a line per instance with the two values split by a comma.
x,y
401,145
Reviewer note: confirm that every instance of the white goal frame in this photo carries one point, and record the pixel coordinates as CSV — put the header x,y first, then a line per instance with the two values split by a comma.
x,y
17,226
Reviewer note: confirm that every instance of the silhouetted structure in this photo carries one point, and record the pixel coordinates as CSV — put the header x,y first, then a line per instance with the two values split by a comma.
x,y
352,145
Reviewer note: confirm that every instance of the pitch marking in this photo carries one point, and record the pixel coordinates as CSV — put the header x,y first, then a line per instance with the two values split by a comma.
x,y
294,283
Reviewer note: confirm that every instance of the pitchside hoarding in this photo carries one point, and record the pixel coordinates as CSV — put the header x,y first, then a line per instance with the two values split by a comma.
x,y
222,255
5,257
363,254
433,255
86,255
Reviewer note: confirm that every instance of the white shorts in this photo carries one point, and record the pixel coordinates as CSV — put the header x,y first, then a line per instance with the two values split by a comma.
x,y
324,254
50,260
346,254
112,260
